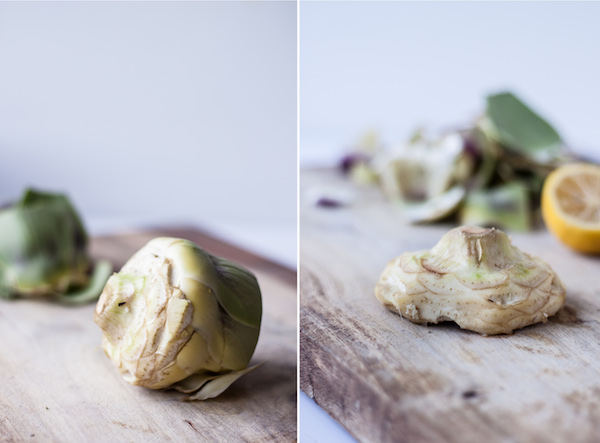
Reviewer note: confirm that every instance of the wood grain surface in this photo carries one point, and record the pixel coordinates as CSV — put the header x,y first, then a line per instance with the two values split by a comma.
x,y
386,379
56,384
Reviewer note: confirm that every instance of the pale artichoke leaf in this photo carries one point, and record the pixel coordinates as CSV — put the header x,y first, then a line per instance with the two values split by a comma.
x,y
216,384
434,208
193,382
92,291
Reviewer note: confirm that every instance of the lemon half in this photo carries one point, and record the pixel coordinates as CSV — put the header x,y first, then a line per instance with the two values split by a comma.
x,y
571,206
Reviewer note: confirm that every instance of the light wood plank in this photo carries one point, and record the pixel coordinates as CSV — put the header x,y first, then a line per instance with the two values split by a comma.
x,y
56,384
386,379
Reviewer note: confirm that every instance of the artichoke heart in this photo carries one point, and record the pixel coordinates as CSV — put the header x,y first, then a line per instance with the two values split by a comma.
x,y
176,316
474,277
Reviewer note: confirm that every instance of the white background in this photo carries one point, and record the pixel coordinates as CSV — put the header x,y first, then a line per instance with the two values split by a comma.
x,y
153,113
396,66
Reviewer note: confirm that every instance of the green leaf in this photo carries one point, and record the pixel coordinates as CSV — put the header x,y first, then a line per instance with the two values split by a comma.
x,y
92,291
505,207
238,292
520,129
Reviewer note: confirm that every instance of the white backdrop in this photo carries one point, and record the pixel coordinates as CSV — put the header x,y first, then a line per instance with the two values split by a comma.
x,y
148,113
396,66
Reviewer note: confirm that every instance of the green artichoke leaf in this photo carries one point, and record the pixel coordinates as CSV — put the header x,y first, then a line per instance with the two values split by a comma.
x,y
505,207
520,129
102,270
238,292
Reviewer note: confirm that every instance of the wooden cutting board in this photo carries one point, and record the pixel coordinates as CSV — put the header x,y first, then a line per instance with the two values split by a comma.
x,y
386,379
56,384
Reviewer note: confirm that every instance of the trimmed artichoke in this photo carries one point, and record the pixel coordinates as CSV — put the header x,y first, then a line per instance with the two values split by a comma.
x,y
176,316
474,277
43,251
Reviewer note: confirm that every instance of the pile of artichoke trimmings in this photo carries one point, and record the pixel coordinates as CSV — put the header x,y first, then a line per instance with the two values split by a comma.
x,y
489,173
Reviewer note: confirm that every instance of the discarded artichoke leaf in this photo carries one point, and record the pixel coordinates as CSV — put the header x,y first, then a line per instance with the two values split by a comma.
x,y
89,293
43,249
505,206
205,386
488,151
434,208
175,311
476,278
520,129
194,382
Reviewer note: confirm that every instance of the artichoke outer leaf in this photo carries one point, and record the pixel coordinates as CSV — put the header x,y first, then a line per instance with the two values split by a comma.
x,y
194,382
205,386
99,277
434,208
505,206
520,129
239,343
238,292
206,319
196,354
235,288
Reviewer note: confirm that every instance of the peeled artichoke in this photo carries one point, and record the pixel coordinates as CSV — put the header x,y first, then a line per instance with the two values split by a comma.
x,y
176,316
43,251
474,277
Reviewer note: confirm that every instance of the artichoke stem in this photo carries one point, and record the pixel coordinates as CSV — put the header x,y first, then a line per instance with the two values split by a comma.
x,y
478,247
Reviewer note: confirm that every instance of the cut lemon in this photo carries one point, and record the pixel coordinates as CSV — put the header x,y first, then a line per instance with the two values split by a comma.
x,y
571,206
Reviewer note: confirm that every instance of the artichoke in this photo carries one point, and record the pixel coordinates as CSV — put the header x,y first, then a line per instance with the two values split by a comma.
x,y
43,251
474,277
177,316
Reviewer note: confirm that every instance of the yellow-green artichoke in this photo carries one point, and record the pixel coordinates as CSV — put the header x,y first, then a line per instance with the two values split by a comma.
x,y
474,277
177,316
